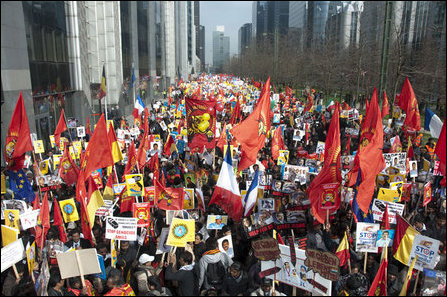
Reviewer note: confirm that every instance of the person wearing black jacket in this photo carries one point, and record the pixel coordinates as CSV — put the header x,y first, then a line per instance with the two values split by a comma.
x,y
186,275
77,241
236,283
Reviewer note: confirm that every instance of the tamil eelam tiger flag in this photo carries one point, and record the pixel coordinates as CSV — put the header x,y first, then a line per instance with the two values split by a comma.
x,y
370,148
61,127
379,284
201,123
170,146
68,170
117,155
324,191
102,89
181,232
98,154
385,105
309,104
236,114
168,198
409,104
277,142
403,240
251,132
18,139
131,160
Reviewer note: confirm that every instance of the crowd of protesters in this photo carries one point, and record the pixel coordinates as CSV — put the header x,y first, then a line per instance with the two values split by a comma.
x,y
201,268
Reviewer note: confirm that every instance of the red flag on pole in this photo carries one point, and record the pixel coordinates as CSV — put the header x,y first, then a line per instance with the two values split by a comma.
x,y
201,123
18,139
409,104
385,105
61,127
131,160
59,222
68,169
168,198
440,150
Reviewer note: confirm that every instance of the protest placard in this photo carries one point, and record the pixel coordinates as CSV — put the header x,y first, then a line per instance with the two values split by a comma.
x,y
320,147
283,158
9,235
266,204
385,237
78,263
162,247
398,160
216,222
181,232
325,263
426,249
80,131
141,211
300,275
120,228
134,184
12,218
69,210
389,195
366,236
226,245
188,199
106,209
427,194
266,249
378,210
296,173
434,283
11,254
29,219
38,147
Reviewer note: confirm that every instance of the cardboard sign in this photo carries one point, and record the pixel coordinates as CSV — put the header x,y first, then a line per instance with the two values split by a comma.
x,y
426,249
325,263
12,218
72,263
80,131
266,249
188,199
9,235
120,228
181,232
226,245
56,160
29,219
141,211
52,141
38,147
11,254
366,236
162,247
398,160
216,222
283,158
300,275
134,184
69,210
378,210
389,195
427,194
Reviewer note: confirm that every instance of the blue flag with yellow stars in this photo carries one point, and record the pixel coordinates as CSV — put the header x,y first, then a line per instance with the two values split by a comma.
x,y
20,185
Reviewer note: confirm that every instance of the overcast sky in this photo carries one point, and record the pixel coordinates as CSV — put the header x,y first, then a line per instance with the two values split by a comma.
x,y
231,14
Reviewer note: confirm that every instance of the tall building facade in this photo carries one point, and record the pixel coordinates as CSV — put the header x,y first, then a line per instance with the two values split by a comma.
x,y
298,22
244,37
343,24
221,48
201,48
268,16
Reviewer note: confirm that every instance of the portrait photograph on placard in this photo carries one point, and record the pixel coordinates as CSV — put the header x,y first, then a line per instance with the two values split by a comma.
x,y
216,222
413,169
226,245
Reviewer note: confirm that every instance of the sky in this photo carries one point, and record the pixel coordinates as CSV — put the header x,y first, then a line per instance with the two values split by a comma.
x,y
230,14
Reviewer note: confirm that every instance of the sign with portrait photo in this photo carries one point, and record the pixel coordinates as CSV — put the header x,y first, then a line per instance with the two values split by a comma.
x,y
216,222
80,131
366,237
226,245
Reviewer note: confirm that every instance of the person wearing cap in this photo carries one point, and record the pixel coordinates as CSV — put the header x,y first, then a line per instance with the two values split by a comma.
x,y
266,289
143,271
394,284
217,224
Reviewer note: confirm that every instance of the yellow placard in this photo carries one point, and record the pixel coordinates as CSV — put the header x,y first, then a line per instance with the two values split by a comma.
x,y
12,218
56,161
3,184
72,152
9,235
44,165
157,137
69,210
62,143
181,232
52,141
389,195
283,158
31,257
134,184
188,199
38,147
78,148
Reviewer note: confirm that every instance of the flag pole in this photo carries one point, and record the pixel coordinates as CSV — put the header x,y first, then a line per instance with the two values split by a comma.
x,y
416,283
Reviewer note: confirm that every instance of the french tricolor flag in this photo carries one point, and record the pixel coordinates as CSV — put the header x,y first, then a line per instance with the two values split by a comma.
x,y
252,194
138,107
432,123
226,193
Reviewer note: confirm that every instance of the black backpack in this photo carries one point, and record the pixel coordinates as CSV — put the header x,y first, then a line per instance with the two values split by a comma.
x,y
215,273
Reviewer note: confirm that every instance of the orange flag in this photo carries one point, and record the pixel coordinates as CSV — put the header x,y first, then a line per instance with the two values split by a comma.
x,y
61,127
324,190
68,169
168,198
370,148
251,133
277,143
131,160
169,146
98,154
385,105
18,140
440,150
409,104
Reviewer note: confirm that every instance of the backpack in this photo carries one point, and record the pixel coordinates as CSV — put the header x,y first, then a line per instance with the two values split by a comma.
x,y
215,273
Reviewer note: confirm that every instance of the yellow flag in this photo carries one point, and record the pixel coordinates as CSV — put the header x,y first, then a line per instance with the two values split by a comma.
x,y
181,232
403,292
31,257
69,210
113,252
9,235
12,218
95,202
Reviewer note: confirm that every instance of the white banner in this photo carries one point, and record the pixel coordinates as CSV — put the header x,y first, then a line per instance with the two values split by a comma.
x,y
12,253
120,228
378,210
426,249
29,219
366,236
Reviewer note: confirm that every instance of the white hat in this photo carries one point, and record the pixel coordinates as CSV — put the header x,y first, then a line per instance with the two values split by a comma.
x,y
144,258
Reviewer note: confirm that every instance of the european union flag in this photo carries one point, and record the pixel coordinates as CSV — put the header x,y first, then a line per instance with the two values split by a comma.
x,y
20,185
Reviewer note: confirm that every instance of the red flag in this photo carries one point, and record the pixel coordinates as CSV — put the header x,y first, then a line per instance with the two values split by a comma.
x,y
169,146
61,127
201,123
440,150
370,148
68,169
385,225
348,145
385,105
379,286
324,190
396,146
18,140
277,142
87,128
86,228
309,104
126,201
367,106
59,222
345,106
98,154
81,190
45,212
410,151
236,113
252,131
222,139
409,104
131,160
153,164
145,145
36,202
168,198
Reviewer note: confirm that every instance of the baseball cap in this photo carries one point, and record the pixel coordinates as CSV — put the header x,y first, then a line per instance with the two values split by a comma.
x,y
218,217
144,258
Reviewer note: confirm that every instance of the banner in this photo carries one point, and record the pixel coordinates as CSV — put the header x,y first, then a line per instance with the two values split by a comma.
x,y
120,228
135,186
366,236
181,232
378,209
426,249
266,249
29,219
300,275
69,210
201,123
398,160
326,264
142,212
11,254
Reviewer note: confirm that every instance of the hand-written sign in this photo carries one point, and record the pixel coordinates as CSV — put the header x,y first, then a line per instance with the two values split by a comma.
x,y
325,263
261,230
266,249
269,271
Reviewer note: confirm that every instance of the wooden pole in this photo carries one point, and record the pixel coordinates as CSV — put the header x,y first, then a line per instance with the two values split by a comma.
x,y
15,271
416,283
81,271
364,263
